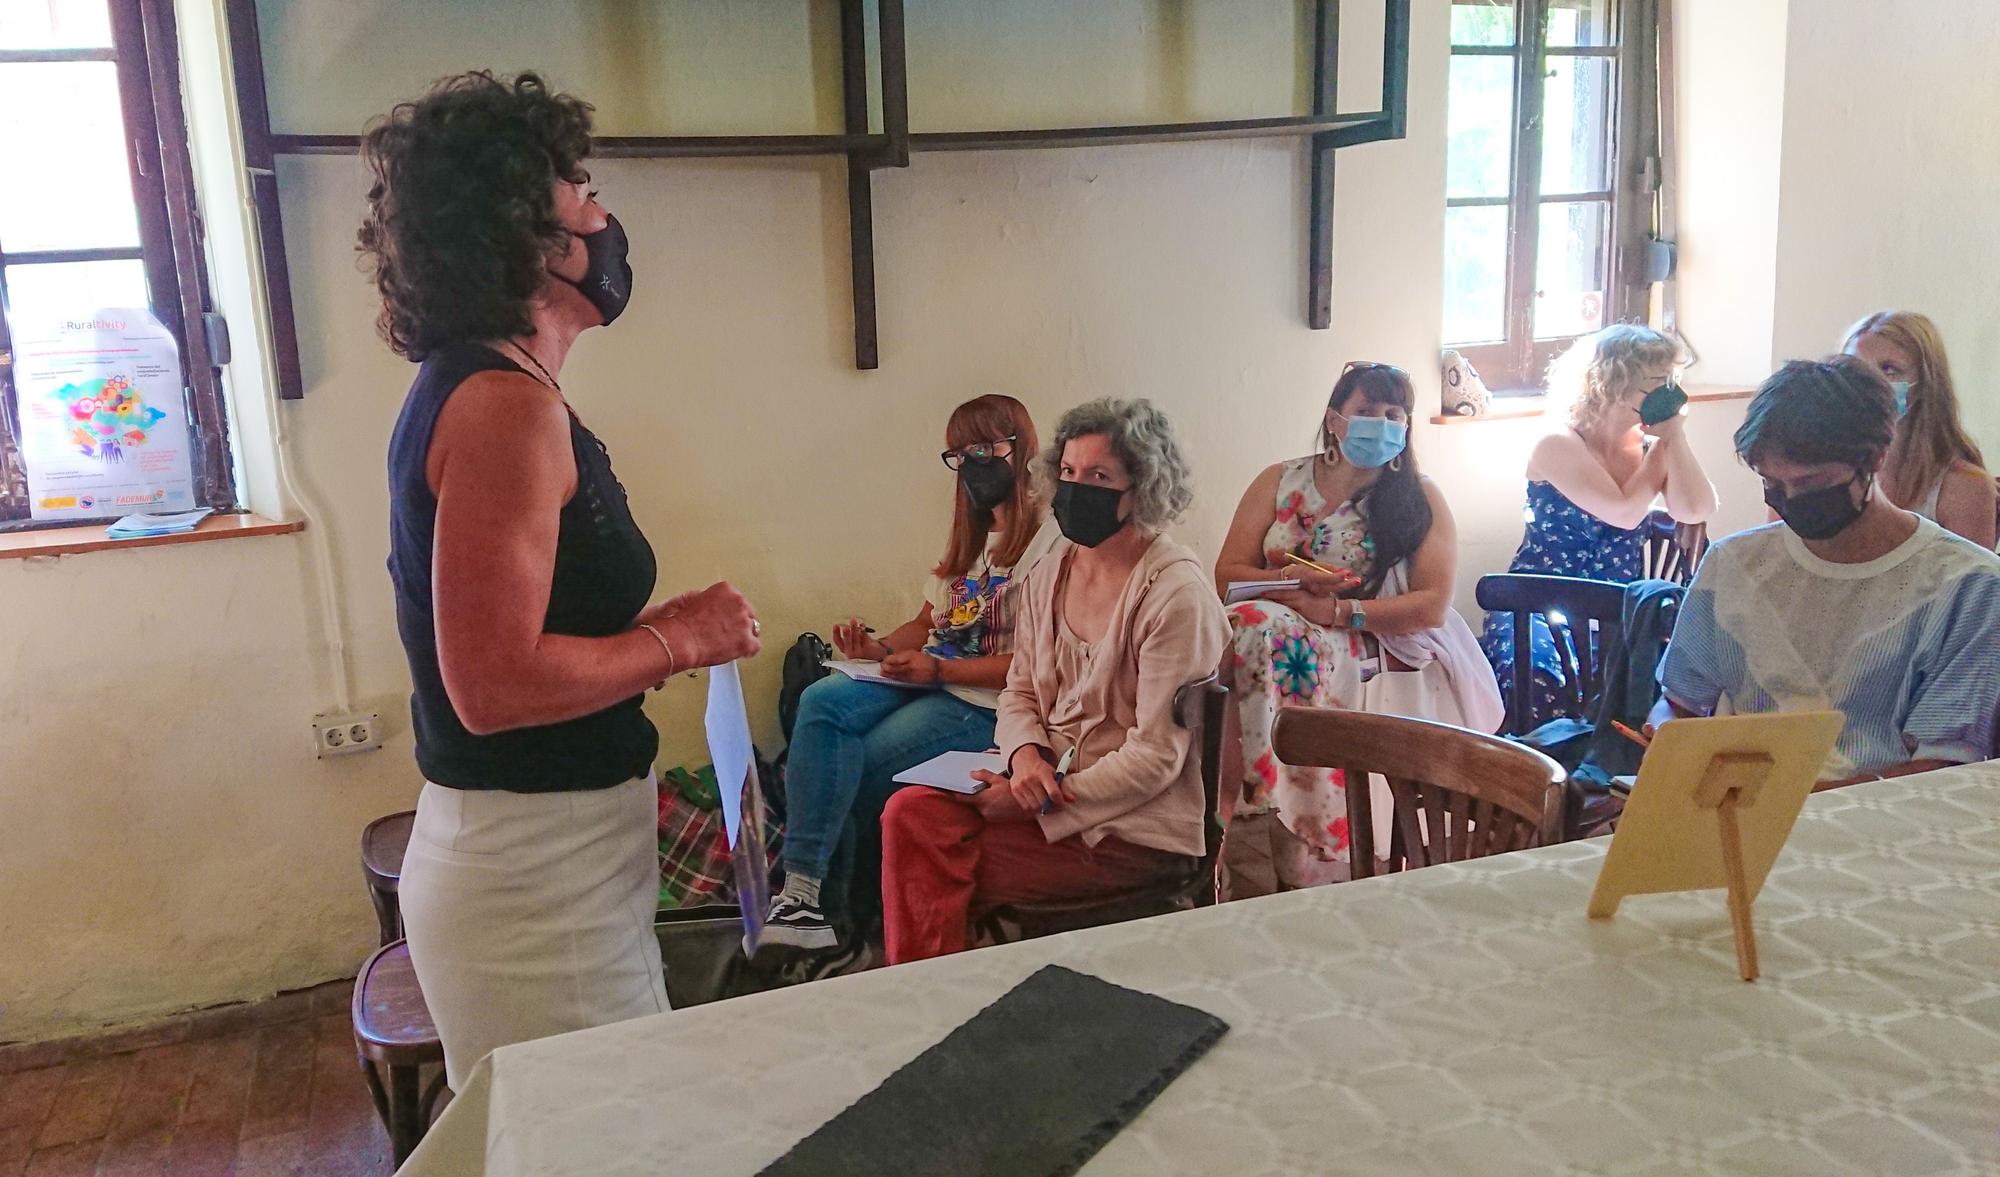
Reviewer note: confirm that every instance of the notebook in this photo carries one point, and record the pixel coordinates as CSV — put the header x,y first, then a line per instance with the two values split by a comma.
x,y
1252,590
953,771
872,672
1035,1083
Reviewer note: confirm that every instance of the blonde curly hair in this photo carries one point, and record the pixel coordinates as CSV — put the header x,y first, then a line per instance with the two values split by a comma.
x,y
1599,371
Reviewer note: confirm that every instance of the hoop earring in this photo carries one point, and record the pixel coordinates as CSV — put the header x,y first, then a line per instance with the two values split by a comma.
x,y
1396,463
1332,451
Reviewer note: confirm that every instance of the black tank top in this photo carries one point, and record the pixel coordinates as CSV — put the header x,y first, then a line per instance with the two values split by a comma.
x,y
603,577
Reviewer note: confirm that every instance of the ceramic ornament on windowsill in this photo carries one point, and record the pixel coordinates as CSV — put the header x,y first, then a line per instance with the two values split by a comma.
x,y
1465,394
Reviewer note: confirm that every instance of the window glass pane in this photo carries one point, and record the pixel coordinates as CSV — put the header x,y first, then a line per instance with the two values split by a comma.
x,y
1475,274
1479,151
1482,22
54,24
67,186
1570,271
1576,125
1580,23
38,293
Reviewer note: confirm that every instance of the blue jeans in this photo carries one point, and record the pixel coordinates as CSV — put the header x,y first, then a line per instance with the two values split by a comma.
x,y
850,739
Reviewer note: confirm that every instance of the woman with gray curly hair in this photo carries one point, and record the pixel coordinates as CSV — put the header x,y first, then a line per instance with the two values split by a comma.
x,y
1592,482
1102,791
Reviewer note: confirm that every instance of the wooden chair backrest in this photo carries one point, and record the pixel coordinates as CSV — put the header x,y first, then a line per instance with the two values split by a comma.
x,y
1569,605
1198,708
1458,794
1673,550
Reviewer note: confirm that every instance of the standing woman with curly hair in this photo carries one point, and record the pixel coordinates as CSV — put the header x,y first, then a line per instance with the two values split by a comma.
x,y
1592,483
1103,790
521,581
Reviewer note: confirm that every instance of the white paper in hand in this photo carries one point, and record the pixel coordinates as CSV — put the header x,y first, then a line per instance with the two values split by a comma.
x,y
729,746
953,771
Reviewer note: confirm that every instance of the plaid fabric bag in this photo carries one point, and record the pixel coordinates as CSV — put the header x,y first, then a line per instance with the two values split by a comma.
x,y
694,844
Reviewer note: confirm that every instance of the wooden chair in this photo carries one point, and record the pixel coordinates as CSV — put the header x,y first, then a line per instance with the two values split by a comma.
x,y
1673,549
1458,794
1585,617
383,845
395,1040
1198,708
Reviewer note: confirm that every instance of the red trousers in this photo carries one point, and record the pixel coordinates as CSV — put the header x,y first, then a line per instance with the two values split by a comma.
x,y
942,860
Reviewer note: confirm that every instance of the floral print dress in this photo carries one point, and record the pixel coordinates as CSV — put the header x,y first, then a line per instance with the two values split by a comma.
x,y
1562,539
1278,658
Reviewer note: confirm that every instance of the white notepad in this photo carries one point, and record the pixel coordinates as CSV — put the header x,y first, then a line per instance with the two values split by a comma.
x,y
953,771
872,672
1252,590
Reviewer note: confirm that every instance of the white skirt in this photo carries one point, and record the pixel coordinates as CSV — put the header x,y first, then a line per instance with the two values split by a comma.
x,y
531,914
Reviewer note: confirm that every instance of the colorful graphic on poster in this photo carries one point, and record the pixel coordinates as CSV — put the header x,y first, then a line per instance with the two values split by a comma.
x,y
104,426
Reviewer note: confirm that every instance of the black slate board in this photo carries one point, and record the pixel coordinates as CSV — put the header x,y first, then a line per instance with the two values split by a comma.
x,y
1035,1083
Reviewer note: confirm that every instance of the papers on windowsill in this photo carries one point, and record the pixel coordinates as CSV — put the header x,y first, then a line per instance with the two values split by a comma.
x,y
139,526
872,672
953,771
1253,590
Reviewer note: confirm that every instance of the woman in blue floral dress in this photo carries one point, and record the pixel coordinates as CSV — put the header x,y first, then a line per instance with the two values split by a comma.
x,y
1358,507
1592,484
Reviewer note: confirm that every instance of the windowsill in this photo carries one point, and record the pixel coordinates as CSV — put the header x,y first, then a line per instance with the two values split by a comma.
x,y
90,537
1515,408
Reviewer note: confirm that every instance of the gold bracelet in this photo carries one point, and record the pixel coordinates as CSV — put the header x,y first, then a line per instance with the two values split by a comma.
x,y
662,639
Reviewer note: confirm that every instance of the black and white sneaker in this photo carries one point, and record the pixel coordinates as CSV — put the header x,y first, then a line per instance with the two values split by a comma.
x,y
798,924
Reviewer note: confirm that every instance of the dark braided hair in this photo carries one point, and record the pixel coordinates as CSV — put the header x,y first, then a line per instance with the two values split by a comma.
x,y
461,215
1395,508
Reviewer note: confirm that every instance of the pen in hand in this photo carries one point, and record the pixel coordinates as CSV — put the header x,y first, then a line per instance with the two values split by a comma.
x,y
1062,767
1631,735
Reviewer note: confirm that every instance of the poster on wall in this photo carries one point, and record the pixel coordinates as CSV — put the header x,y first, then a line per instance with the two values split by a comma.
x,y
104,427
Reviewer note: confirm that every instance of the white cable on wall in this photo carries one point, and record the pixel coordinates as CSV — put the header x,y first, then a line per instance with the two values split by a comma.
x,y
333,618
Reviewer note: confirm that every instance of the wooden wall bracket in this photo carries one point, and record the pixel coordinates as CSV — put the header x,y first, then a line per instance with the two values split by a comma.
x,y
865,151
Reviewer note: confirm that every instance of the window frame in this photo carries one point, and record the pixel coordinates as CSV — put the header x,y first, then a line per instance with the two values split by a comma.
x,y
1518,363
146,53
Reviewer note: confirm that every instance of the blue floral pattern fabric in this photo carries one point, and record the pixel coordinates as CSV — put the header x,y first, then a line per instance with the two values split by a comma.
x,y
1562,539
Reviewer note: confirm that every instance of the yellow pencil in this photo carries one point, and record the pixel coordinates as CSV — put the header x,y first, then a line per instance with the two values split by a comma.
x,y
1302,562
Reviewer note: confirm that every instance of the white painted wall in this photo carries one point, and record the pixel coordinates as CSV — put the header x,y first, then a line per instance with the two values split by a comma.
x,y
1891,166
1731,72
168,838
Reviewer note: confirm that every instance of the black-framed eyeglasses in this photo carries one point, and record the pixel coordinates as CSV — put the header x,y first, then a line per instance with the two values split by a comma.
x,y
1370,366
985,451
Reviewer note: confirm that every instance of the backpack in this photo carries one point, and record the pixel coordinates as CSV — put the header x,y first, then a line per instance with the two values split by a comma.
x,y
805,664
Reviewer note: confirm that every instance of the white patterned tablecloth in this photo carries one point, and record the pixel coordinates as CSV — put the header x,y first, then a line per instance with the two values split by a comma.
x,y
1462,1019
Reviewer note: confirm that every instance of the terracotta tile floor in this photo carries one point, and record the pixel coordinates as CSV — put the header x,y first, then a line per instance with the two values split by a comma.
x,y
272,1089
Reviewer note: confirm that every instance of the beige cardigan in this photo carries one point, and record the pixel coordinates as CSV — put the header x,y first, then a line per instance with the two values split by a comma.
x,y
1135,775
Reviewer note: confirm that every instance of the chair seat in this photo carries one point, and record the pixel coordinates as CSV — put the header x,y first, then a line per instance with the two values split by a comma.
x,y
383,845
1071,914
391,1020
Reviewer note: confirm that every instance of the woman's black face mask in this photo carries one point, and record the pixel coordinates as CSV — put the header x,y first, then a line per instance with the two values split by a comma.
x,y
987,481
1088,515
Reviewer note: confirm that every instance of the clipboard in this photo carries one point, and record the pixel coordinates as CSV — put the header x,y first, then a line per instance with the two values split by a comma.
x,y
1712,807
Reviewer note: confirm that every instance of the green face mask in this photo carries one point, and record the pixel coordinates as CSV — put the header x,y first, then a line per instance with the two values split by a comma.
x,y
1662,403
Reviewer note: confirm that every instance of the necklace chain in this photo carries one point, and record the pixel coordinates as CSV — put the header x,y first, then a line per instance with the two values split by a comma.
x,y
530,357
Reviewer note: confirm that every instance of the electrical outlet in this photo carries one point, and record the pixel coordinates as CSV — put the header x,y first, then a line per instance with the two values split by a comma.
x,y
339,735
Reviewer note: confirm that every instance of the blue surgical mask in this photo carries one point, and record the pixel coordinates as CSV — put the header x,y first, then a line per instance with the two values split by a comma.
x,y
1373,442
1902,390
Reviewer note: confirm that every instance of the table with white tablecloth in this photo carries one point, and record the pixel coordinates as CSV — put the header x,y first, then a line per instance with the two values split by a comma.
x,y
1458,1019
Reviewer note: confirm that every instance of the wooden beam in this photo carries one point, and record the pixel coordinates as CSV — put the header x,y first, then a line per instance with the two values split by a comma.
x,y
1319,200
638,146
860,185
253,107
